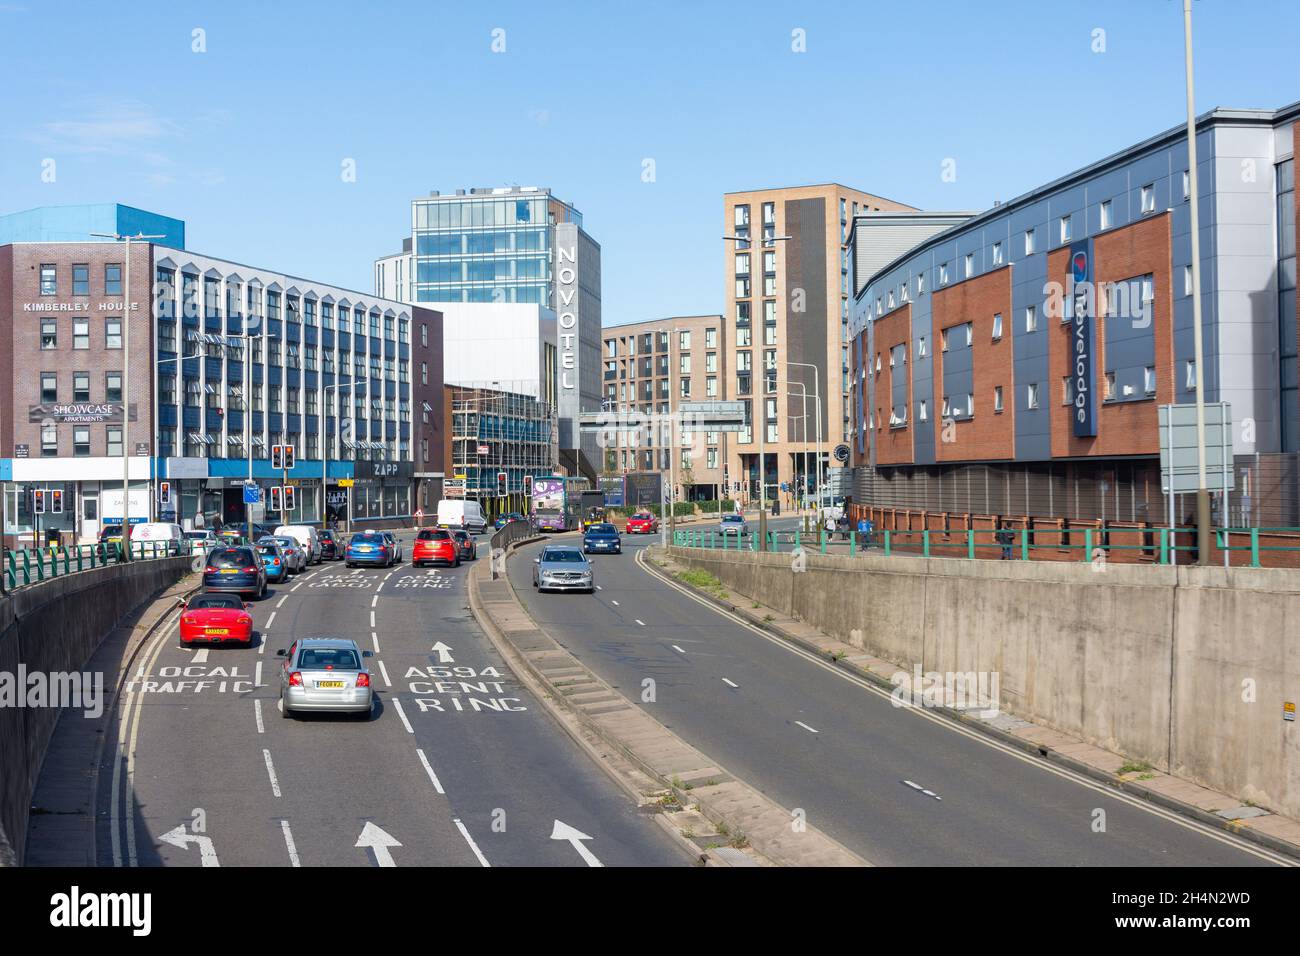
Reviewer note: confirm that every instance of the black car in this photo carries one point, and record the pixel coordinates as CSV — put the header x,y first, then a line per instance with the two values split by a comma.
x,y
330,549
235,569
465,545
602,537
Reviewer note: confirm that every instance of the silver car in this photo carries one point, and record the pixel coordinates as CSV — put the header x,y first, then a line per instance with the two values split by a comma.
x,y
733,524
395,545
325,674
293,551
563,568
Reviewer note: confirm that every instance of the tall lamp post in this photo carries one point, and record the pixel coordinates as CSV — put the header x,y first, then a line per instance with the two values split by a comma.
x,y
126,380
762,431
673,450
1202,489
817,402
803,389
325,446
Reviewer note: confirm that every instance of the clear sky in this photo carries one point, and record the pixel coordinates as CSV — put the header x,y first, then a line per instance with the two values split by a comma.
x,y
247,140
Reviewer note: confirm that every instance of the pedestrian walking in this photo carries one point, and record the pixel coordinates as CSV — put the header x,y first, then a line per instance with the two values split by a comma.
x,y
1007,538
842,525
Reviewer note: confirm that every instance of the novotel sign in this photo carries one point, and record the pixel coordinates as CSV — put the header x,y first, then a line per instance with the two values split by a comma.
x,y
567,290
1082,338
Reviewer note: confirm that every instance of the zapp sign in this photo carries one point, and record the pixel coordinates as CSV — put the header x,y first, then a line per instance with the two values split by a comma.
x,y
1082,338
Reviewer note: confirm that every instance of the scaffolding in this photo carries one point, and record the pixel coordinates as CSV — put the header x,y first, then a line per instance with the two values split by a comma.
x,y
500,428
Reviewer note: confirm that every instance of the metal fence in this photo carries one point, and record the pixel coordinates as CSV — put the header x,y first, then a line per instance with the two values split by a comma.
x,y
29,566
1157,546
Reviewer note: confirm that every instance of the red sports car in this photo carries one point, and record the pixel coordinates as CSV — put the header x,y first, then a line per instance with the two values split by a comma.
x,y
643,522
435,544
216,618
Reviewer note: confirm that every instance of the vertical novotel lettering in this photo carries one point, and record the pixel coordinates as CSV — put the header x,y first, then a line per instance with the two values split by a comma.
x,y
567,290
1083,333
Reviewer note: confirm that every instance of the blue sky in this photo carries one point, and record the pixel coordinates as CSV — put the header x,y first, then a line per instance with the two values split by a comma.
x,y
246,141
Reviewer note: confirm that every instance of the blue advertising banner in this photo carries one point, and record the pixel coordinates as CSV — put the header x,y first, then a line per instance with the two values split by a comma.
x,y
1082,311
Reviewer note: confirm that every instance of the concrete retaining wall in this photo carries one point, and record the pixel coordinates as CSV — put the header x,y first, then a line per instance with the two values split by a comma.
x,y
1186,668
56,626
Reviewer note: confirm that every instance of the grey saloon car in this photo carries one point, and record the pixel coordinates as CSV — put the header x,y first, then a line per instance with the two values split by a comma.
x,y
325,674
563,568
733,524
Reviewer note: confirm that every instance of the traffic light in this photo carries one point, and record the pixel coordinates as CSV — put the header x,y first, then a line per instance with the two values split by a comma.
x,y
288,457
288,498
38,501
726,474
164,493
502,486
56,501
275,498
528,485
277,457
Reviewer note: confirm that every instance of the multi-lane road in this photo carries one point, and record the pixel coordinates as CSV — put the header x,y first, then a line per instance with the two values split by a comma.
x,y
898,786
459,765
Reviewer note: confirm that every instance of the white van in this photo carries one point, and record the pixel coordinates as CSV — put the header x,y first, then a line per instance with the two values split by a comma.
x,y
160,533
458,513
306,536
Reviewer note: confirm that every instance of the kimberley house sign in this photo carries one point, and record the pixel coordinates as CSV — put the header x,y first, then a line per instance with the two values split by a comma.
x,y
79,413
77,307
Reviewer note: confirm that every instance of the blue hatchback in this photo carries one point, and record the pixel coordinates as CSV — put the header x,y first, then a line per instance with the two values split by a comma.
x,y
368,547
273,559
602,538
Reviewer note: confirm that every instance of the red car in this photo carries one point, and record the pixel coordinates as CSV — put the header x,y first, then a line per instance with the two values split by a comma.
x,y
216,618
643,522
435,544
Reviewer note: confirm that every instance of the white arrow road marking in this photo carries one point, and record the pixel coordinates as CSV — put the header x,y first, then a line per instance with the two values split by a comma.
x,y
402,714
810,730
200,657
289,844
257,709
183,838
562,831
470,840
729,683
429,770
928,793
377,841
443,652
384,670
270,770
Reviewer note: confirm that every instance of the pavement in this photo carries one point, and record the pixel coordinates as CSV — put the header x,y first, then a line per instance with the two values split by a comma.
x,y
895,786
459,764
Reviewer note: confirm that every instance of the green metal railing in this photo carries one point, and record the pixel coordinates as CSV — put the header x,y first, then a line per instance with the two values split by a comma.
x,y
1158,546
29,566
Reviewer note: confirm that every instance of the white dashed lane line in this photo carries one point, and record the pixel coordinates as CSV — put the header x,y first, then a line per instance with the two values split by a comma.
x,y
282,600
375,639
270,772
641,622
678,649
289,844
917,786
811,730
257,709
729,683
372,618
384,670
402,716
470,840
270,620
374,600
200,656
429,770
615,603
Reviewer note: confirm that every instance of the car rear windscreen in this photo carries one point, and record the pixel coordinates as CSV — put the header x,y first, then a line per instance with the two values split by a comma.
x,y
319,658
230,558
201,602
369,537
429,534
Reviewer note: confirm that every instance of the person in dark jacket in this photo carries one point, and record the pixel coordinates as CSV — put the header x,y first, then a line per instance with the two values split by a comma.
x,y
1007,538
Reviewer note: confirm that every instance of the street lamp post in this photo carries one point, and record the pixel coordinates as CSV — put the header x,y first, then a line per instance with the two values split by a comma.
x,y
126,381
1202,490
804,431
672,433
817,401
762,431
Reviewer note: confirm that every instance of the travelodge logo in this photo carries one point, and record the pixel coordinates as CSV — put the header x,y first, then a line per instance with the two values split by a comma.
x,y
1079,265
1085,423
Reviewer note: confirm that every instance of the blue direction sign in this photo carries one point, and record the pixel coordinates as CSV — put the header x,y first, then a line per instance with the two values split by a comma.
x,y
252,494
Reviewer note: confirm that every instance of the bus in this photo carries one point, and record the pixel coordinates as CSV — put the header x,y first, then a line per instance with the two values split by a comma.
x,y
557,502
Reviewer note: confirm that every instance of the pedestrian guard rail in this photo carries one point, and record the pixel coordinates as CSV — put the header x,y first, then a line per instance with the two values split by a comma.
x,y
29,566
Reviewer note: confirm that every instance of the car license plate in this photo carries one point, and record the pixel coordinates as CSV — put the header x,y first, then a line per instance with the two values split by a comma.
x,y
329,683
216,630
365,548
229,570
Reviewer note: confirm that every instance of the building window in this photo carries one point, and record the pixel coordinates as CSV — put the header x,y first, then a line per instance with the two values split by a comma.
x,y
997,253
1067,390
81,386
711,386
1031,395
80,279
922,411
1149,379
49,388
1029,242
81,441
49,334
1187,185
1110,386
920,283
49,441
997,326
424,373
1149,198
49,279
114,441
1067,229
112,278
997,399
922,350
1189,380
943,273
113,333
970,334
710,338
1187,280
1106,219
943,340
970,264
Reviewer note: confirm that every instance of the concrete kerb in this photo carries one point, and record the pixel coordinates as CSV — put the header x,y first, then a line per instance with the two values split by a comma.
x,y
831,853
1030,747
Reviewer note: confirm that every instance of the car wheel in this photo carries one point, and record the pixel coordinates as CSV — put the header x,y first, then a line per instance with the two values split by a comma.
x,y
456,563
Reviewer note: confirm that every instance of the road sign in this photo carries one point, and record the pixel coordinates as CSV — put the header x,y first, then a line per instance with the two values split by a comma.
x,y
483,449
1178,448
252,494
346,482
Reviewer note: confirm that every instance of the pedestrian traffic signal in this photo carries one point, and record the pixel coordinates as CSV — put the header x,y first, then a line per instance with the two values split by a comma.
x,y
502,484
288,457
164,492
277,457
288,497
38,501
56,501
275,498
